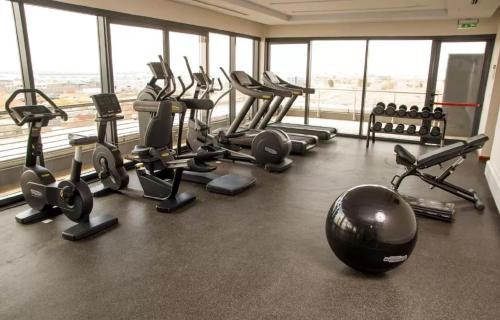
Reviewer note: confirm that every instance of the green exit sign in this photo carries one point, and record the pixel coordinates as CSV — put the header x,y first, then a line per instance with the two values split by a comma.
x,y
467,24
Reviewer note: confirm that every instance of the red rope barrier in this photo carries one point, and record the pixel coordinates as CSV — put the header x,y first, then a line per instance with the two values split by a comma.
x,y
457,104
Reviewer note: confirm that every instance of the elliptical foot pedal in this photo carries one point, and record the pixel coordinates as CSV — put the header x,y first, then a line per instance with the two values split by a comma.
x,y
101,191
284,165
83,230
230,184
444,211
170,205
32,216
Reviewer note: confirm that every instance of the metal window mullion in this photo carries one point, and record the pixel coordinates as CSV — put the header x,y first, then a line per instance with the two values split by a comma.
x,y
363,94
232,67
255,70
105,58
24,49
308,83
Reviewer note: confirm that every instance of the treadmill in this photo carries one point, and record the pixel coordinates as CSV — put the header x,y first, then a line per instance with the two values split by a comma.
x,y
271,79
255,90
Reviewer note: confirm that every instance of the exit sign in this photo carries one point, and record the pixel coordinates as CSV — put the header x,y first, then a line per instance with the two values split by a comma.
x,y
467,23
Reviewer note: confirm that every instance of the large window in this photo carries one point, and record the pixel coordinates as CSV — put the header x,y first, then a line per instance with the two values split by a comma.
x,y
244,62
10,71
64,53
337,68
289,62
130,70
11,136
219,58
397,72
185,45
65,58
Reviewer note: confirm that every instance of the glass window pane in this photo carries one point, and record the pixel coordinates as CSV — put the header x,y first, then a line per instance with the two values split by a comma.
x,y
337,68
12,137
189,45
397,72
459,77
244,62
218,56
130,70
65,66
289,61
10,69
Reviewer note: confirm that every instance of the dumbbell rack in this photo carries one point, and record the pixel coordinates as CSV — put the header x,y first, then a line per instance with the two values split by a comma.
x,y
371,122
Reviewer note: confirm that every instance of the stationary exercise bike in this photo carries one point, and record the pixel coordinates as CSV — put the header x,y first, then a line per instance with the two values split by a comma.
x,y
107,159
46,196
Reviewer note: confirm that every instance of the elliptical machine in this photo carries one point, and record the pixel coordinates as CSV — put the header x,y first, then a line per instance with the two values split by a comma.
x,y
46,196
270,148
107,159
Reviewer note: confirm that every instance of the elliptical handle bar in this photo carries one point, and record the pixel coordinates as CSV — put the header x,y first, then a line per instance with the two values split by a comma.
x,y
225,74
169,75
184,87
58,111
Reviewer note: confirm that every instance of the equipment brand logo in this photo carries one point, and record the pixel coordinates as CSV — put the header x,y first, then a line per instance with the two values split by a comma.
x,y
270,150
35,193
394,259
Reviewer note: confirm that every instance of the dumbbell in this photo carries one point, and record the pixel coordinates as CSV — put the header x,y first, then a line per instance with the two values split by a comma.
x,y
426,112
438,113
391,109
402,110
377,126
411,129
379,108
435,131
413,113
400,128
388,127
423,131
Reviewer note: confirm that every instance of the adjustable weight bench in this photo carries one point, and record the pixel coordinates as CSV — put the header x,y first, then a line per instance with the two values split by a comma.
x,y
456,151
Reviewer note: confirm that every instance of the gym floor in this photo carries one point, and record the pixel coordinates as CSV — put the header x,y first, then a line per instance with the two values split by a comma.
x,y
260,255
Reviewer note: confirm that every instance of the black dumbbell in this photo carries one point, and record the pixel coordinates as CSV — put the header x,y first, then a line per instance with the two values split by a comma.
x,y
388,127
400,128
423,131
379,108
391,109
435,131
377,126
426,112
411,129
413,113
438,113
402,110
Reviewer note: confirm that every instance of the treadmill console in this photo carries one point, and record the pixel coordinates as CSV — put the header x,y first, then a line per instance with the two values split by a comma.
x,y
157,70
274,79
199,78
243,78
106,104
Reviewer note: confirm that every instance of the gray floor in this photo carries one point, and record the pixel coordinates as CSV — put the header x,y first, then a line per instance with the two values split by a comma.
x,y
261,255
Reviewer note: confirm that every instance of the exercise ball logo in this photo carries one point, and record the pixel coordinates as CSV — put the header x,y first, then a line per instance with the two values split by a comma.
x,y
395,259
270,150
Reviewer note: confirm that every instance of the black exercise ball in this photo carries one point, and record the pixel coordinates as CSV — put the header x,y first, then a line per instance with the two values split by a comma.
x,y
371,228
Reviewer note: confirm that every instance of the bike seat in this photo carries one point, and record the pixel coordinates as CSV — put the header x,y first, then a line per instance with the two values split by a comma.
x,y
198,166
404,156
140,151
80,140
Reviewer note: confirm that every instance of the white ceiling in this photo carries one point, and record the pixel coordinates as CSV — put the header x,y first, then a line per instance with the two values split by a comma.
x,y
274,12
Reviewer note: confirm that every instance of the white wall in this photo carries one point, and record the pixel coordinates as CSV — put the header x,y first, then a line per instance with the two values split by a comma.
x,y
177,12
394,28
493,165
491,103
